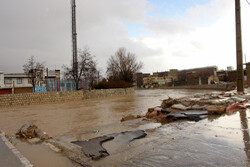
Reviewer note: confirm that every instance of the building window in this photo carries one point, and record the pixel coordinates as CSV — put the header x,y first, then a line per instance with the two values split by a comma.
x,y
7,81
19,81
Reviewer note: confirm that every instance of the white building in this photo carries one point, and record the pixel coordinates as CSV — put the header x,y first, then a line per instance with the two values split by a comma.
x,y
230,68
17,80
1,79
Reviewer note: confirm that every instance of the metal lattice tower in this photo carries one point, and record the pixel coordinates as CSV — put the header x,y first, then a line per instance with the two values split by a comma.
x,y
74,41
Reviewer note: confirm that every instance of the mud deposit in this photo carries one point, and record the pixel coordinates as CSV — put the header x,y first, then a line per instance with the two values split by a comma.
x,y
213,141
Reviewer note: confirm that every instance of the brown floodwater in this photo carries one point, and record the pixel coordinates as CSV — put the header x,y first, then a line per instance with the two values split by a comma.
x,y
214,141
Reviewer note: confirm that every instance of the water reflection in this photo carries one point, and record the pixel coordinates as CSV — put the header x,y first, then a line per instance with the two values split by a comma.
x,y
245,132
216,141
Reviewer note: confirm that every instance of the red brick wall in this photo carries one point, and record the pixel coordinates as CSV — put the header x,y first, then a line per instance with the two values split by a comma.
x,y
5,91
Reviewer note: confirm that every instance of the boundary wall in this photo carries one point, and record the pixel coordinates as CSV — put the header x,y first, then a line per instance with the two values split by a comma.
x,y
53,97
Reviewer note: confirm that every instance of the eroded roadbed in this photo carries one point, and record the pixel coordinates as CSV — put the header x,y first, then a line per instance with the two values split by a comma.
x,y
93,148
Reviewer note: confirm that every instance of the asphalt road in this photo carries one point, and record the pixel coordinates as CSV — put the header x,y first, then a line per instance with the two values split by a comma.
x,y
7,157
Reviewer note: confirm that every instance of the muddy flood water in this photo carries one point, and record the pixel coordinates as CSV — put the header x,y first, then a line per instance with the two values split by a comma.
x,y
214,141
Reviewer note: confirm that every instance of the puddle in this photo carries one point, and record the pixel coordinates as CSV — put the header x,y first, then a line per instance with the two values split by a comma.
x,y
41,155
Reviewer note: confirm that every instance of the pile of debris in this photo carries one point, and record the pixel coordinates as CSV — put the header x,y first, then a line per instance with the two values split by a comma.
x,y
198,106
32,133
79,151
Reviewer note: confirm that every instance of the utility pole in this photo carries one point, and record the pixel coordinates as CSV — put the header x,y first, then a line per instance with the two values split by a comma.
x,y
240,74
74,42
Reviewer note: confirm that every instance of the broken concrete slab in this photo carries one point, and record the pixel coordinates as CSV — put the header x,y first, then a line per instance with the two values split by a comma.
x,y
188,115
93,148
129,136
34,140
198,107
219,109
180,107
121,141
72,151
130,117
168,102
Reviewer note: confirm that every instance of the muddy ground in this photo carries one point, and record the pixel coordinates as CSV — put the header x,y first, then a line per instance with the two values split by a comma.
x,y
214,141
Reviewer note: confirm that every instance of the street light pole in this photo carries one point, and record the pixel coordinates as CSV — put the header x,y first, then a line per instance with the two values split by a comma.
x,y
240,74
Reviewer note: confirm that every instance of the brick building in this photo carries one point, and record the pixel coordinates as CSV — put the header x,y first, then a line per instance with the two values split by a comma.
x,y
196,76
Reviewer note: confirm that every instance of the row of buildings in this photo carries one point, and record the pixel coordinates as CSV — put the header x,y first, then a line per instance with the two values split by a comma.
x,y
22,83
196,76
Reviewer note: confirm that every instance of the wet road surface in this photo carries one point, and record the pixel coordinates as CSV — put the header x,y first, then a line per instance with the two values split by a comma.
x,y
214,141
7,157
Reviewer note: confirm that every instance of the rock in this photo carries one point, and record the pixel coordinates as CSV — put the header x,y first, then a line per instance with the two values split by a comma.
x,y
27,131
34,140
180,107
165,111
152,114
199,95
198,107
42,135
172,110
130,117
159,116
186,103
151,110
220,109
168,103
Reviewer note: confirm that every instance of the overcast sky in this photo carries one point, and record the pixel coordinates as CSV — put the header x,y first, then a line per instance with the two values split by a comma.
x,y
163,34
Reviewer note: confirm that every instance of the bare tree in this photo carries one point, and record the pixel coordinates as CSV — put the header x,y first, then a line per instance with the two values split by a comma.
x,y
123,65
34,70
87,67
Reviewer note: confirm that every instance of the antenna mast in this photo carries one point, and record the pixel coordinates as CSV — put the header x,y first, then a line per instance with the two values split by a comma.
x,y
74,42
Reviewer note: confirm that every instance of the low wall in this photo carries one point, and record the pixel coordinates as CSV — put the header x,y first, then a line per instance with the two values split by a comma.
x,y
51,97
212,87
222,87
23,90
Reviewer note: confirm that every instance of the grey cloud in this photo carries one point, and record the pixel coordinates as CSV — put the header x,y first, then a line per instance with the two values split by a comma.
x,y
43,28
213,10
168,26
179,53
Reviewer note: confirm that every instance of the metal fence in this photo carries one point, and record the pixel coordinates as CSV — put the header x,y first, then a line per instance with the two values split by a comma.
x,y
57,85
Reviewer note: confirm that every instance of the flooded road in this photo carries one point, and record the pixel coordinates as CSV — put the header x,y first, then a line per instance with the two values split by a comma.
x,y
60,118
215,141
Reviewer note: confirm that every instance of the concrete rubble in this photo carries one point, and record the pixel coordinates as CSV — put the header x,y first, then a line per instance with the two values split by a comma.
x,y
81,152
191,108
32,133
93,148
173,109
